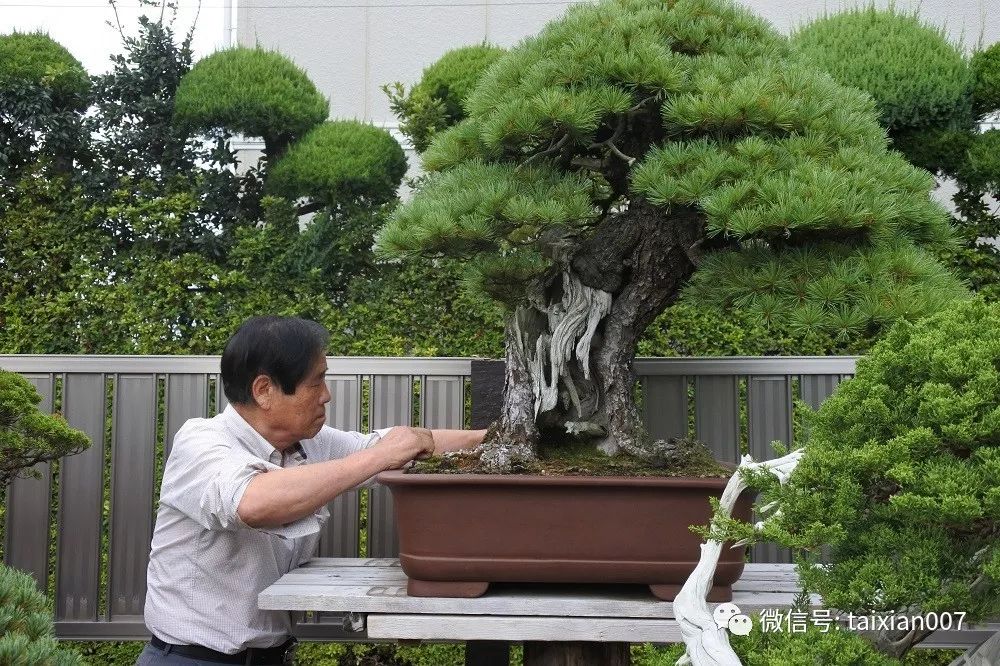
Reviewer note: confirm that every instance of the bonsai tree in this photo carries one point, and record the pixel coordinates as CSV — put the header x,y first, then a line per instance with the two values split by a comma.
x,y
435,102
898,481
931,99
43,94
633,143
27,436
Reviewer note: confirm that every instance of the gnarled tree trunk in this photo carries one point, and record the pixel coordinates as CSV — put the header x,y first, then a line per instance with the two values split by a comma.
x,y
570,349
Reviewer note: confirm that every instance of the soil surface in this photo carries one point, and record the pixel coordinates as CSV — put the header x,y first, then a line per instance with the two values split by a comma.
x,y
673,457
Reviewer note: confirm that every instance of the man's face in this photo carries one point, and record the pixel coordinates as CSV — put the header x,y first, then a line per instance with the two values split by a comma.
x,y
302,414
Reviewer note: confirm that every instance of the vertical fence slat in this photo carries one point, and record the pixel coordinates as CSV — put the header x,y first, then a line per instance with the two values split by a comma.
x,y
28,508
221,401
391,404
80,490
817,388
665,405
340,534
717,415
132,454
770,418
340,537
444,402
187,398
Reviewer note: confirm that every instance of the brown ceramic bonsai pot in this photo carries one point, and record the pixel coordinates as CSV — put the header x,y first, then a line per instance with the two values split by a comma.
x,y
460,532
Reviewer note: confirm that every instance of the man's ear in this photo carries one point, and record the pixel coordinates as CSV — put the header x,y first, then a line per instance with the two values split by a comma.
x,y
262,391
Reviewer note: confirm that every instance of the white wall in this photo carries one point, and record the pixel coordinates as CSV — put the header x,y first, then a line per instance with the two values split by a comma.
x,y
353,47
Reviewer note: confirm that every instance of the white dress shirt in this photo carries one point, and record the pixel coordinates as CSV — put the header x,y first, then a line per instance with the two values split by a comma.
x,y
206,566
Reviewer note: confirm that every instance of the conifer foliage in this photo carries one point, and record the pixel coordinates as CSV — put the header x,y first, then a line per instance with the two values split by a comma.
x,y
899,478
632,142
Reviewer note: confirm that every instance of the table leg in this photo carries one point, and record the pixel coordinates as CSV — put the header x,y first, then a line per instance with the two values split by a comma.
x,y
487,653
577,653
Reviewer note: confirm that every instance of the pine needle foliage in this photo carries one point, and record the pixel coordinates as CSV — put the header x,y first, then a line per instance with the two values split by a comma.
x,y
35,59
339,161
435,102
253,91
685,104
26,625
900,474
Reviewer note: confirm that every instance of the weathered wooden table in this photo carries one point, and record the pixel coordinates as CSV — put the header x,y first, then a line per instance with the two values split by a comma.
x,y
375,591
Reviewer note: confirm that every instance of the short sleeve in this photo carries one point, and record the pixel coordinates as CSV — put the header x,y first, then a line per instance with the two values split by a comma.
x,y
333,444
205,479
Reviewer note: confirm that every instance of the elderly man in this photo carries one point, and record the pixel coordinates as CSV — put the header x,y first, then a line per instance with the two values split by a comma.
x,y
244,495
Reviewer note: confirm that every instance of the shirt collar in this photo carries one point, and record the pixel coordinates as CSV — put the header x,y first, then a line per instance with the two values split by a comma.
x,y
255,442
251,439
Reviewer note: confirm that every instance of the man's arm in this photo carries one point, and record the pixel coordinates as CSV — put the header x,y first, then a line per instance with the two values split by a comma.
x,y
281,496
454,440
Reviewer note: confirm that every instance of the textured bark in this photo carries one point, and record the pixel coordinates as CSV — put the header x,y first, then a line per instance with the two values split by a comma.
x,y
570,370
578,653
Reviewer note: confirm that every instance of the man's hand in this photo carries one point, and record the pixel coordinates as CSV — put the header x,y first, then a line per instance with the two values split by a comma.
x,y
403,444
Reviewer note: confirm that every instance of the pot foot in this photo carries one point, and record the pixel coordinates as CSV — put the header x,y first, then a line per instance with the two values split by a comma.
x,y
718,593
439,588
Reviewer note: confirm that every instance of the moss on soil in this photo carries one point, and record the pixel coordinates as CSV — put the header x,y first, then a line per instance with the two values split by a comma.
x,y
582,459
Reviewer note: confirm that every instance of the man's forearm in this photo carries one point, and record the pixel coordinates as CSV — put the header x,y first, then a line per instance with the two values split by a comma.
x,y
282,496
453,440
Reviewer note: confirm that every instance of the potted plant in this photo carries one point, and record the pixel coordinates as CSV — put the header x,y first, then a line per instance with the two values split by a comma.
x,y
629,151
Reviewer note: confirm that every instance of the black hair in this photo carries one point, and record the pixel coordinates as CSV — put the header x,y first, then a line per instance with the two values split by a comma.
x,y
283,348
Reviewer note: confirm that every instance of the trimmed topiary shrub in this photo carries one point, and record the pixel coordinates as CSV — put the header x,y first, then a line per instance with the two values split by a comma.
x,y
986,70
435,102
26,624
340,161
35,59
252,91
899,478
917,77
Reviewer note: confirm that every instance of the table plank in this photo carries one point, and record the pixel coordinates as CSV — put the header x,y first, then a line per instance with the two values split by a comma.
x,y
461,627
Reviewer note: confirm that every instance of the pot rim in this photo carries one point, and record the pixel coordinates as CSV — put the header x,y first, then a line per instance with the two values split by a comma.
x,y
399,478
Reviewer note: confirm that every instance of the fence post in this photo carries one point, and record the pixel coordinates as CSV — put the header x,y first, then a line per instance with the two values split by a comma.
x,y
487,397
487,391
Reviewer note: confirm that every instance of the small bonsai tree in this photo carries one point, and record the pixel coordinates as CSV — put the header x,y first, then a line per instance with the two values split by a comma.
x,y
435,102
27,437
632,143
898,480
43,93
931,99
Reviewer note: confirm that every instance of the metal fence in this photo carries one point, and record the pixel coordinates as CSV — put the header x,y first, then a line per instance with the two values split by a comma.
x,y
83,529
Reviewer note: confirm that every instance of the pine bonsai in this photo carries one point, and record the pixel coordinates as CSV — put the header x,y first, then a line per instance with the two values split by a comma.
x,y
27,436
633,143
